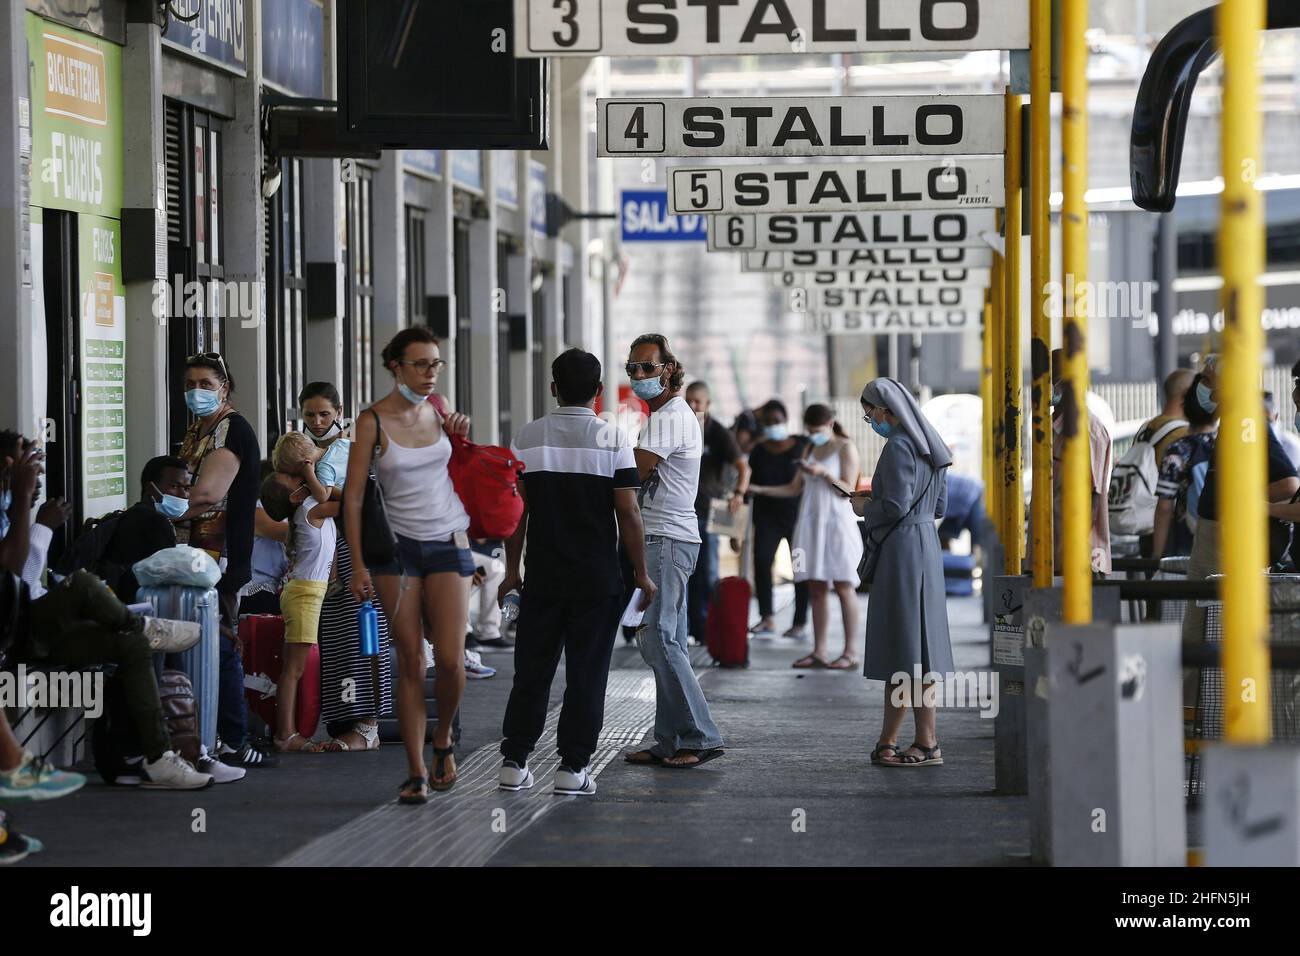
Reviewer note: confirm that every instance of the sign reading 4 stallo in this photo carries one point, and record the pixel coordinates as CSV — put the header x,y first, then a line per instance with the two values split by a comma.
x,y
739,27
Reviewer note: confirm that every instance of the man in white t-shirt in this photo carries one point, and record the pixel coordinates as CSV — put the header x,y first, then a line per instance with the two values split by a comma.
x,y
668,463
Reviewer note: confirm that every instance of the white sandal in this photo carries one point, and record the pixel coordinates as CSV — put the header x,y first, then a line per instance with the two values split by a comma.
x,y
370,732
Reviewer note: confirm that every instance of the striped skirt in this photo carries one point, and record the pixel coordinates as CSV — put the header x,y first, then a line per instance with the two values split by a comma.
x,y
352,687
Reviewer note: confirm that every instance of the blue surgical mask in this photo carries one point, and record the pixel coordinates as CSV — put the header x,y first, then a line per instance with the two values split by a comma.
x,y
883,429
1204,396
776,432
414,397
1297,421
647,389
202,402
171,506
819,438
1056,398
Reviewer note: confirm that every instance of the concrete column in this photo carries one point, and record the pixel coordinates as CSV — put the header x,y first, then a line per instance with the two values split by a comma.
x,y
20,406
390,261
245,346
322,224
146,333
519,296
484,305
439,263
575,170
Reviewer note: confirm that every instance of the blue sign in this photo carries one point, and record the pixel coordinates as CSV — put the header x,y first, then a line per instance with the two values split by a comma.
x,y
505,178
427,162
292,41
467,168
646,219
537,196
216,36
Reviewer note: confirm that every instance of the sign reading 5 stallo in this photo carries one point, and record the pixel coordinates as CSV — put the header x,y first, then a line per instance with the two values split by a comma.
x,y
809,126
847,229
739,27
878,257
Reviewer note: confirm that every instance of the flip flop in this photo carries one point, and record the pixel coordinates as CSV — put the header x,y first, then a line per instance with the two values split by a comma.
x,y
703,756
810,662
651,758
835,665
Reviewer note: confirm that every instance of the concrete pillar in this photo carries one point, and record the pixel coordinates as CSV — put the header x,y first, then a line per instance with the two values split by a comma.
x,y
575,173
439,277
519,296
146,334
389,217
484,310
323,259
20,406
245,347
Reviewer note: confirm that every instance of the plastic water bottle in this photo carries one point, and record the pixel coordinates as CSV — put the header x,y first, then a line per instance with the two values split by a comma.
x,y
510,607
368,628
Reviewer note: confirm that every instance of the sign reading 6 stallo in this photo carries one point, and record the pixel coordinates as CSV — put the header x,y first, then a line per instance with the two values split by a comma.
x,y
846,229
739,27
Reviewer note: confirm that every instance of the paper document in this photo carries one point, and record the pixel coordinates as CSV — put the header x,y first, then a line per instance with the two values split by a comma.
x,y
632,616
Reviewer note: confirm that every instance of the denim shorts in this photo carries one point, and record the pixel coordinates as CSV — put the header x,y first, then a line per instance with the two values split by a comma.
x,y
416,559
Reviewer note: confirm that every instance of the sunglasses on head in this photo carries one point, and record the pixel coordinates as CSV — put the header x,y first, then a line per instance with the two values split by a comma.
x,y
210,357
646,367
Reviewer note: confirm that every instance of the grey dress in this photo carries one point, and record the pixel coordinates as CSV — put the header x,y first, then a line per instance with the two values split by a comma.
x,y
907,612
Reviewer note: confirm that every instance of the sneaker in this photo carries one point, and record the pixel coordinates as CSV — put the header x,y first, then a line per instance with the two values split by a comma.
x,y
171,637
502,642
218,771
34,779
15,846
514,777
132,774
573,783
475,669
246,756
171,771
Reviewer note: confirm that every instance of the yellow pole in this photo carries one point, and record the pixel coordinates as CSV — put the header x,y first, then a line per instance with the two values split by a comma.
x,y
995,390
986,398
1040,271
1012,386
1076,490
1243,434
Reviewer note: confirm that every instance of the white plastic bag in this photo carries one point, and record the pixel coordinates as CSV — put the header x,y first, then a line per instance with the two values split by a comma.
x,y
182,564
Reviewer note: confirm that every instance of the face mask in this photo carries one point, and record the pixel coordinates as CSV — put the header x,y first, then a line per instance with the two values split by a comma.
x,y
415,398
883,429
171,506
202,402
776,432
1203,393
1297,421
819,438
330,433
647,389
1056,398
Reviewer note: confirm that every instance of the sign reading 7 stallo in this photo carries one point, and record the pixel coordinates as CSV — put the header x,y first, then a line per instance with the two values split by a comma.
x,y
923,182
875,257
847,229
739,27
807,126
867,278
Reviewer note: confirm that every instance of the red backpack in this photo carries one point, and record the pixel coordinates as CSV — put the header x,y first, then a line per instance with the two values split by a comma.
x,y
486,477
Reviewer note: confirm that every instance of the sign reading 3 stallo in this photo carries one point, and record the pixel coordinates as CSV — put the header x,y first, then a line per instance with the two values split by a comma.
x,y
740,27
865,278
964,297
808,126
883,321
847,229
941,182
877,257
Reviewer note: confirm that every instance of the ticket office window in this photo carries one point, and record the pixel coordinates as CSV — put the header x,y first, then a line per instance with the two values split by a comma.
x,y
286,301
417,285
358,319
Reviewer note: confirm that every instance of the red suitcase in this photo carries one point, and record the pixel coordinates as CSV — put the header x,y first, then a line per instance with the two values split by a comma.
x,y
262,636
726,629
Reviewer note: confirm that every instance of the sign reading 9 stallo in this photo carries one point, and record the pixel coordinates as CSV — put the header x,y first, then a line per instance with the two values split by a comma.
x,y
742,27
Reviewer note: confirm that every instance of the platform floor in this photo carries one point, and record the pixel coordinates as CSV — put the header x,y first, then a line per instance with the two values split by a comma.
x,y
794,788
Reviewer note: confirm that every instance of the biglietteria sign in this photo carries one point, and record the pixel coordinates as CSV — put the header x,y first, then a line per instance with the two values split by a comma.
x,y
834,230
739,27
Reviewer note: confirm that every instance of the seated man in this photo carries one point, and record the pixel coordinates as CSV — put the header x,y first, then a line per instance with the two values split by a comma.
x,y
81,623
146,528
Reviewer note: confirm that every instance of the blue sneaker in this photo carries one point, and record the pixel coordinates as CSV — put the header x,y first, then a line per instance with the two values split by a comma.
x,y
33,779
15,846
475,669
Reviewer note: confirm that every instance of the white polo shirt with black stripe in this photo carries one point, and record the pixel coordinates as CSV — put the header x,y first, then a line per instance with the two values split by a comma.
x,y
573,464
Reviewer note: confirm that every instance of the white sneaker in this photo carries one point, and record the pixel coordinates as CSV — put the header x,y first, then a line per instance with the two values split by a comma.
x,y
574,784
514,777
171,637
171,771
218,771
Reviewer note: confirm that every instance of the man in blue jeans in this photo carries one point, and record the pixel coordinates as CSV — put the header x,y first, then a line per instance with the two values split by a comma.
x,y
668,463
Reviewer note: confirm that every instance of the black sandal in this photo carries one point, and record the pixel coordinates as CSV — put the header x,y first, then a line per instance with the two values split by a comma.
x,y
881,748
439,767
419,791
912,760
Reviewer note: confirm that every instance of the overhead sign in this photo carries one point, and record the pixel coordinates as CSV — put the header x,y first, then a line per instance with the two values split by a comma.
x,y
215,35
741,27
645,217
293,46
537,197
426,162
884,321
839,260
867,278
467,169
923,182
967,297
847,229
807,126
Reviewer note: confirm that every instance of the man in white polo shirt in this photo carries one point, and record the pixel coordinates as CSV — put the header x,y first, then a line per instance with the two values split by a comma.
x,y
668,462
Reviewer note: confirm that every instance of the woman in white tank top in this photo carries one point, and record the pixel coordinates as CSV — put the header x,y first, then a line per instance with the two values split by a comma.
x,y
427,586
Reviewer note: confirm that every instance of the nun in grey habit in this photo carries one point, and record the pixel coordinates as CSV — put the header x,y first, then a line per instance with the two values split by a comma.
x,y
907,612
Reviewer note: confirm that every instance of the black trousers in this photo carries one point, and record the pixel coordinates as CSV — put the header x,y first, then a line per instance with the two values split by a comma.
x,y
767,538
584,632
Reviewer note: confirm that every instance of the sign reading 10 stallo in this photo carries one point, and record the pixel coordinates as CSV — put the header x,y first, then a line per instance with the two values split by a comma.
x,y
741,27
881,321
809,126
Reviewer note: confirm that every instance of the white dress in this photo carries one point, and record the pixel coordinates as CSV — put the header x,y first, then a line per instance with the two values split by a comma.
x,y
827,543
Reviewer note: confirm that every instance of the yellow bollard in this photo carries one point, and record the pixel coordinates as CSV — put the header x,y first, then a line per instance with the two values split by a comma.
x,y
1076,486
997,304
986,404
1243,433
1040,273
1012,385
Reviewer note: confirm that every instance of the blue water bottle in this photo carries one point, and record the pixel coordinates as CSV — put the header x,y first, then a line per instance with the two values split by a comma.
x,y
368,627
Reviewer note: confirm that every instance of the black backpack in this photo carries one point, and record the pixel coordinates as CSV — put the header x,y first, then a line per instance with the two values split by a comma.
x,y
87,551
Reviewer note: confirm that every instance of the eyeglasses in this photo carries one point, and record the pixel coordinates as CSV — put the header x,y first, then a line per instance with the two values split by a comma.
x,y
423,365
207,357
647,368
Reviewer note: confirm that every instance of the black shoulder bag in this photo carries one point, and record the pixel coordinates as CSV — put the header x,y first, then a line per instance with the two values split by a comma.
x,y
871,550
378,543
